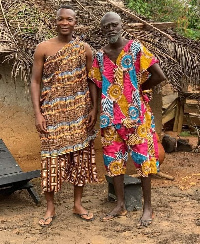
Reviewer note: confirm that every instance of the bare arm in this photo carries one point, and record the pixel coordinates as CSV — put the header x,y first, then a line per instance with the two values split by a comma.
x,y
94,94
157,76
93,90
88,57
36,78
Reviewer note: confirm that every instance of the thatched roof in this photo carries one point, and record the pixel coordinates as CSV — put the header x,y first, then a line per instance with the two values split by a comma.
x,y
24,24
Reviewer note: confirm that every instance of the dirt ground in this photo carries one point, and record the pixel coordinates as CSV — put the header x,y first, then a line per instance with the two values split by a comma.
x,y
176,203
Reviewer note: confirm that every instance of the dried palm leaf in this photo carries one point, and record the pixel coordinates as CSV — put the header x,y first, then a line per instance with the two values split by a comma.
x,y
26,23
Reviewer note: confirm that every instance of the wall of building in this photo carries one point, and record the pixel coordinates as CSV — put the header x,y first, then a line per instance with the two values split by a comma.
x,y
17,127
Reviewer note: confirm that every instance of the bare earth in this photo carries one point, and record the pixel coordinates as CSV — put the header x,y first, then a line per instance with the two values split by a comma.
x,y
176,203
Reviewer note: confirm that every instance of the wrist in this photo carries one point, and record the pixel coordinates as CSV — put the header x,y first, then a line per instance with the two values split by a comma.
x,y
38,113
95,111
94,107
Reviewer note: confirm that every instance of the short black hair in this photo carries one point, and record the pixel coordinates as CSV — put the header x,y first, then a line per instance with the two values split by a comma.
x,y
66,7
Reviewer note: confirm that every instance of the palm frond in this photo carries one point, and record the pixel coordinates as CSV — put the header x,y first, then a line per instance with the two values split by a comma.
x,y
26,23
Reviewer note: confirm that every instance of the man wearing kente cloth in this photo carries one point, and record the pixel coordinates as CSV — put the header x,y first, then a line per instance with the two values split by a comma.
x,y
125,71
64,114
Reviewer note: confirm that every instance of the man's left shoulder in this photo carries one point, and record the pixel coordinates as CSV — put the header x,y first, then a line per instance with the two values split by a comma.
x,y
88,49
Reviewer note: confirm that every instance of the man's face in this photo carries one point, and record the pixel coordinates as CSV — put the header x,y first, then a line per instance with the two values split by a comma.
x,y
65,21
111,27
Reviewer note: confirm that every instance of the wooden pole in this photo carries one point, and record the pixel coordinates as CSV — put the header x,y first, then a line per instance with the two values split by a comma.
x,y
177,113
159,174
159,25
181,115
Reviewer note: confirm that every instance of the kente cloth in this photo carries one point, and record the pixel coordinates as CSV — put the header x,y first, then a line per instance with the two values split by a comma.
x,y
77,168
123,103
65,103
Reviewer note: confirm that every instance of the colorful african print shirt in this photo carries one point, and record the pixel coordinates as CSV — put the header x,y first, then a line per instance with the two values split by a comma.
x,y
65,101
122,100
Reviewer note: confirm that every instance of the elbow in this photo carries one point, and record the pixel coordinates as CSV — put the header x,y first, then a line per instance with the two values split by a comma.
x,y
162,77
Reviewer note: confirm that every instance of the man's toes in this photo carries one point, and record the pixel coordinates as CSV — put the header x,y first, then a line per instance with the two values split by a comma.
x,y
144,223
88,216
42,221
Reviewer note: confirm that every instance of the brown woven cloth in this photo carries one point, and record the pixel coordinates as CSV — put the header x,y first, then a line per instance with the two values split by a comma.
x,y
65,101
66,150
77,168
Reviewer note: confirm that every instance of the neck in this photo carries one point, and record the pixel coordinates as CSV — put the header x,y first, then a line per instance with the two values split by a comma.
x,y
64,38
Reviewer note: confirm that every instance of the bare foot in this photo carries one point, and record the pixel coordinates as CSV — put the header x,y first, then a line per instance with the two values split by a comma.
x,y
48,218
146,219
118,211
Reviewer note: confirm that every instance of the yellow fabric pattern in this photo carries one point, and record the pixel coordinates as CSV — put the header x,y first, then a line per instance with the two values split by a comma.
x,y
95,73
123,104
117,167
115,92
145,59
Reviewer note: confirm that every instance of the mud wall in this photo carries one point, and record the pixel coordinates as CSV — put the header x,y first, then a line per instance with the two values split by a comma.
x,y
17,127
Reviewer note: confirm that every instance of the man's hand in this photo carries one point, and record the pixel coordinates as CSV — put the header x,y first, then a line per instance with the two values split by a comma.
x,y
92,119
40,124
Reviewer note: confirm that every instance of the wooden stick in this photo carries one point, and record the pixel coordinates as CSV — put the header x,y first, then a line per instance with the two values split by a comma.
x,y
159,25
139,19
166,176
159,174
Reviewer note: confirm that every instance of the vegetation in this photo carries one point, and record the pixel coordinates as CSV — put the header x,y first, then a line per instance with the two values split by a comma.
x,y
184,12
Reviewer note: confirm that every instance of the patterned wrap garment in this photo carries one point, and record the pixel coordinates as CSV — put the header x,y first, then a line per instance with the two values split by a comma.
x,y
65,105
125,112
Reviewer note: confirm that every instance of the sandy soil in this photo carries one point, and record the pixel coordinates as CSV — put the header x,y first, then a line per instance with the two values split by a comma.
x,y
176,203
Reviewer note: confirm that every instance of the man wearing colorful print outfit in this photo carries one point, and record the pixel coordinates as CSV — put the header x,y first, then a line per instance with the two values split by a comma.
x,y
126,71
